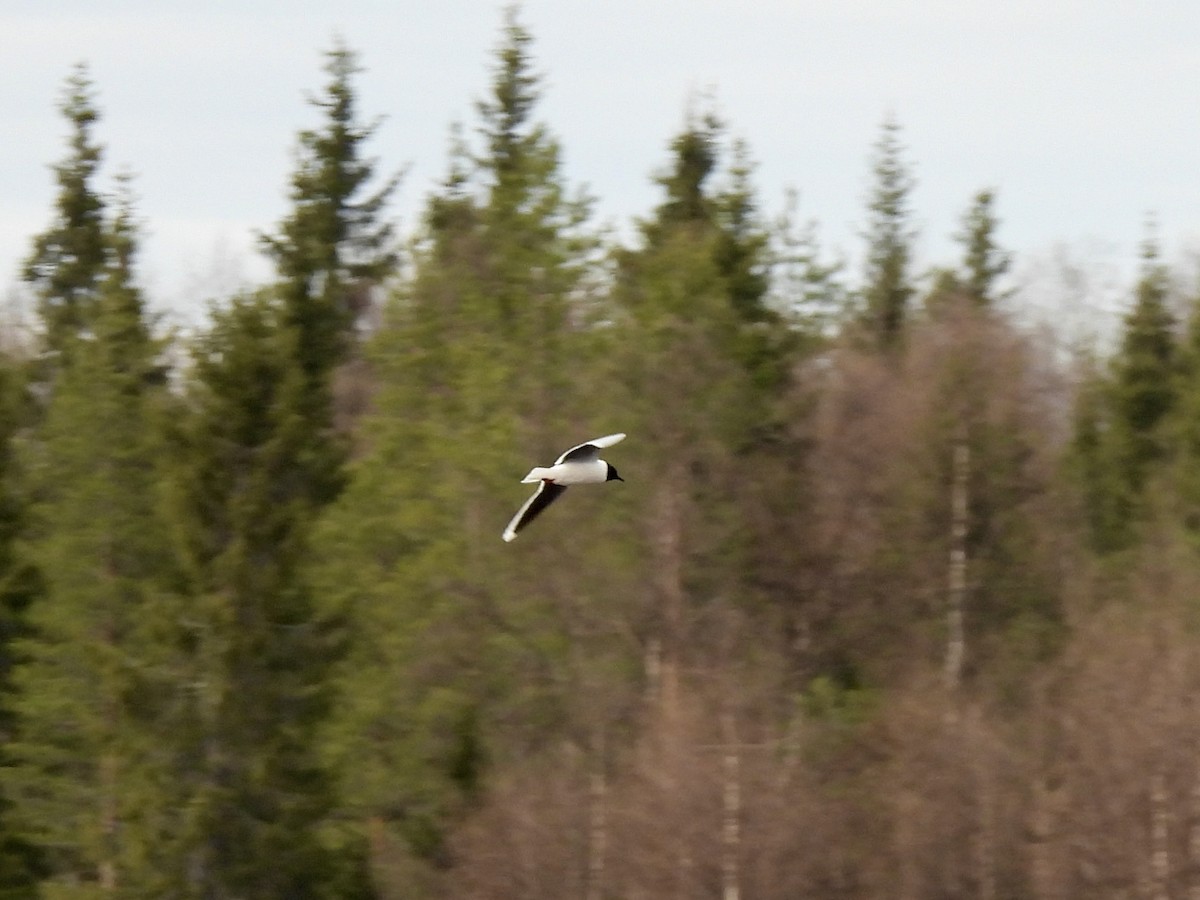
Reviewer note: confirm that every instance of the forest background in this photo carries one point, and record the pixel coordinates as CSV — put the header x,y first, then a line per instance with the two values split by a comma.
x,y
899,599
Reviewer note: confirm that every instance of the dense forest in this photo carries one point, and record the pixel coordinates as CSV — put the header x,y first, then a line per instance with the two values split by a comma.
x,y
898,598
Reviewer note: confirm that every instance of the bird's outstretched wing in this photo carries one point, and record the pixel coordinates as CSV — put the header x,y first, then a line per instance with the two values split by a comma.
x,y
590,449
546,494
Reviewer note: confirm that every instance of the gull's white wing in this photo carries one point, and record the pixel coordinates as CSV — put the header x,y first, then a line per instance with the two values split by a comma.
x,y
546,494
590,449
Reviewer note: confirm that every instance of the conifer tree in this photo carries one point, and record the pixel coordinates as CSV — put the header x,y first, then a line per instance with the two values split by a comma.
x,y
728,218
20,585
887,283
742,246
473,382
984,261
255,647
1144,385
1092,465
716,211
255,457
1183,427
698,360
531,245
65,265
686,184
332,252
81,770
1121,432
807,286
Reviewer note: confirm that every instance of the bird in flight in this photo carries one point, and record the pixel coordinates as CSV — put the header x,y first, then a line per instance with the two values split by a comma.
x,y
579,465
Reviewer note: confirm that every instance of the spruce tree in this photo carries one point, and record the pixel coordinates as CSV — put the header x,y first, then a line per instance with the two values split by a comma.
x,y
81,774
1183,427
984,261
66,263
1092,465
1122,434
1144,385
722,223
887,282
257,650
695,154
531,246
697,361
332,251
20,586
807,286
479,365
256,455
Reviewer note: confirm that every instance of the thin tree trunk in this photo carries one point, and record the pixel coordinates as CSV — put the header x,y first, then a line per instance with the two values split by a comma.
x,y
597,833
1041,855
985,848
669,568
1160,859
731,826
663,660
959,503
653,666
906,850
108,819
1194,841
685,874
109,762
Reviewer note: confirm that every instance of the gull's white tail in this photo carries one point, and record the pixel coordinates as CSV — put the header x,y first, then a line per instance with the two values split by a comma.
x,y
537,473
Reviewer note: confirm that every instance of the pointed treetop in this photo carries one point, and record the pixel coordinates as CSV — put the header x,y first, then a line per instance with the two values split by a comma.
x,y
514,93
887,282
894,181
121,322
335,245
1150,306
984,261
1145,389
695,152
1153,272
742,252
65,264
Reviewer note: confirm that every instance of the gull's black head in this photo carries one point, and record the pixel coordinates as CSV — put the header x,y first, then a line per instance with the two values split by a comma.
x,y
612,473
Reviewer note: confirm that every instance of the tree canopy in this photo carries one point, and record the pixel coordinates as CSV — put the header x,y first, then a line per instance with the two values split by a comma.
x,y
897,598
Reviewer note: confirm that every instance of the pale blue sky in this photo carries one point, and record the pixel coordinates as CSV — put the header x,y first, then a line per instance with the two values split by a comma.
x,y
1083,114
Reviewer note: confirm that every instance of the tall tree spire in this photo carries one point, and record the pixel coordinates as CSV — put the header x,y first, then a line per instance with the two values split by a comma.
x,y
87,702
887,285
984,261
335,245
1145,389
332,251
1120,429
65,265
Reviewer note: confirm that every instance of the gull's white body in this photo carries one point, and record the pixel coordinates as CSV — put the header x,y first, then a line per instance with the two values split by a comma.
x,y
592,472
579,465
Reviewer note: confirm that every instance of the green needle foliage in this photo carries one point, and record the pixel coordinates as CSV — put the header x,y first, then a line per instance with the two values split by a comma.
x,y
887,282
846,628
257,454
1122,432
984,261
81,774
255,648
332,251
473,364
65,266
20,585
